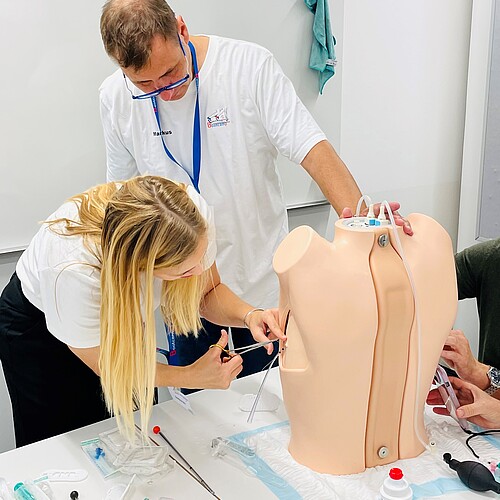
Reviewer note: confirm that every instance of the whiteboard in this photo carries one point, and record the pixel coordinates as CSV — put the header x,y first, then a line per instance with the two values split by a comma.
x,y
52,146
52,65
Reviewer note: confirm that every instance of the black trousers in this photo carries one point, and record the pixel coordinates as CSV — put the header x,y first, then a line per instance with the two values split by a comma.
x,y
51,390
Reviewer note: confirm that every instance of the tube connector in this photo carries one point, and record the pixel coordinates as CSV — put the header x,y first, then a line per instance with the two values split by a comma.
x,y
371,213
381,214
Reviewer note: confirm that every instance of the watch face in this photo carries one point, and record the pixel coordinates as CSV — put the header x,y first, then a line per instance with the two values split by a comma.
x,y
494,374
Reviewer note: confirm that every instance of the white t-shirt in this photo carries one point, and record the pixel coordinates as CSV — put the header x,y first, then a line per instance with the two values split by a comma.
x,y
57,276
249,112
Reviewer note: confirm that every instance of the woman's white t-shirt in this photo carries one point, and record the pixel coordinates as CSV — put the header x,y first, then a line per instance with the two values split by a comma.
x,y
61,277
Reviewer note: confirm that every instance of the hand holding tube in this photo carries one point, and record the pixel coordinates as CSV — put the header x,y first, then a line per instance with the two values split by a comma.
x,y
458,355
398,218
475,405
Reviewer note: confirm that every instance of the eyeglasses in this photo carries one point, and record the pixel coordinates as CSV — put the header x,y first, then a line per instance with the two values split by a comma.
x,y
171,86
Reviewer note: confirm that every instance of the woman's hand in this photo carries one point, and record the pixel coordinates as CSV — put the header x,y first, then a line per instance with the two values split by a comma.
x,y
264,326
398,218
212,372
457,354
475,405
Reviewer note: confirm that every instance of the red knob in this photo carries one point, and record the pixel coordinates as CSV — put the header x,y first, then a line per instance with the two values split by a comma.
x,y
156,430
396,473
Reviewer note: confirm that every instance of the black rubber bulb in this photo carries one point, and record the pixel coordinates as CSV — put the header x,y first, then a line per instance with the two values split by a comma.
x,y
473,474
74,495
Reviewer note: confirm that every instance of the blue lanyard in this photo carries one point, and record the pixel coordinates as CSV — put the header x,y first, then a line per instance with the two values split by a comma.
x,y
195,177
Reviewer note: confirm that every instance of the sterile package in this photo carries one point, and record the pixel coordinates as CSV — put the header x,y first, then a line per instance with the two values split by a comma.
x,y
144,460
94,449
237,454
221,446
114,442
244,457
113,453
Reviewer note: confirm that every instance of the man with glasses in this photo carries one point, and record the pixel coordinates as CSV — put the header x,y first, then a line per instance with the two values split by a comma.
x,y
213,112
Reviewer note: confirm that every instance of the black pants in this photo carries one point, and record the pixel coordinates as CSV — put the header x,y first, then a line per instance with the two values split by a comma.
x,y
190,348
51,390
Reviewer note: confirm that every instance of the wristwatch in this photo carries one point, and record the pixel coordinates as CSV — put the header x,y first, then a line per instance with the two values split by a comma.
x,y
494,376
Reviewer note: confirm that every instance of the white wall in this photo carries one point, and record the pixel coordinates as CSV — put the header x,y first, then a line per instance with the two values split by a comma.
x,y
50,132
475,120
403,101
473,150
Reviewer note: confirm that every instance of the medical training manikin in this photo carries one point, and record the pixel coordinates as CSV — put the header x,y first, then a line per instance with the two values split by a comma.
x,y
351,368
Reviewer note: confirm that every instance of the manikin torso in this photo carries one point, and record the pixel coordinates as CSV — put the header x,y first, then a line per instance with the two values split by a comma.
x,y
350,370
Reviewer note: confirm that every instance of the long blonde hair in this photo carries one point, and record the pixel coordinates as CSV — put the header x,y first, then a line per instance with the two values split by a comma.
x,y
144,224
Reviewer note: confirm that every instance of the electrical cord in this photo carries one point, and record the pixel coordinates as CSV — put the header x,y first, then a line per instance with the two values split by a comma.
x,y
472,435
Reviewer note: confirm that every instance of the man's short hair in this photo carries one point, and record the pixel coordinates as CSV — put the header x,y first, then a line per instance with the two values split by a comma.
x,y
128,27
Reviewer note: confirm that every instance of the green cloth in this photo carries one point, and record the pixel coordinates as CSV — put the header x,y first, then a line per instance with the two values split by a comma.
x,y
322,57
478,276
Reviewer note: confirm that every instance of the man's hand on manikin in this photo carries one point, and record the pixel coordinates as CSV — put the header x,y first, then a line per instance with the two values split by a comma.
x,y
398,218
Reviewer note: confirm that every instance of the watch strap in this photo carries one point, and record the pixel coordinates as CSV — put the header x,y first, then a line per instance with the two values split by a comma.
x,y
494,378
491,389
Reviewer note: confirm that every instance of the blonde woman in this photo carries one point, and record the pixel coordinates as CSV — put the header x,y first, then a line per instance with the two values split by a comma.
x,y
77,329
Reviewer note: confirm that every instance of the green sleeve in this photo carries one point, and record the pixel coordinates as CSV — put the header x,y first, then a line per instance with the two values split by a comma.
x,y
473,264
469,265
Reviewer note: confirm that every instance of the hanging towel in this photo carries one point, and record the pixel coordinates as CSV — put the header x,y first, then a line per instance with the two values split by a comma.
x,y
323,45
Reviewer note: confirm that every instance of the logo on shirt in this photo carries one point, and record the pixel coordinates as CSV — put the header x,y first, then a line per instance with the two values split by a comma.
x,y
218,119
157,133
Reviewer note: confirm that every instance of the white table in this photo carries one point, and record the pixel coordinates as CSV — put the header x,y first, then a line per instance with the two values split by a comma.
x,y
216,414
